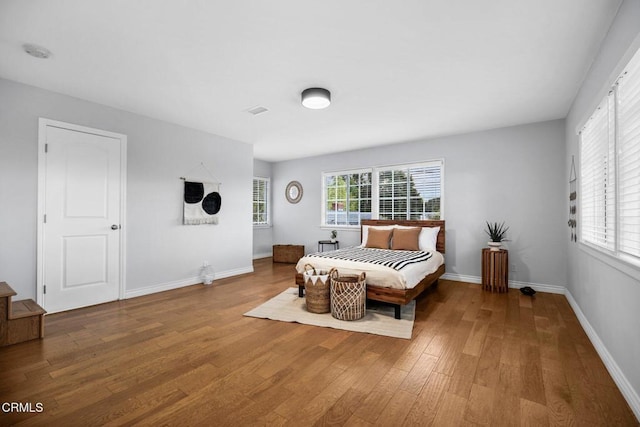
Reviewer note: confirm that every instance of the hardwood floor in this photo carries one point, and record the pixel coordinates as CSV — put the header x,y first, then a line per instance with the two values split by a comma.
x,y
189,357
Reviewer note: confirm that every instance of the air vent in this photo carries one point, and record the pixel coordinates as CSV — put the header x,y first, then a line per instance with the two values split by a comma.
x,y
36,51
257,110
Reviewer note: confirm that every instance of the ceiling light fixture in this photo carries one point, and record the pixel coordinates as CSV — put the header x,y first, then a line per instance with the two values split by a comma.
x,y
36,51
316,98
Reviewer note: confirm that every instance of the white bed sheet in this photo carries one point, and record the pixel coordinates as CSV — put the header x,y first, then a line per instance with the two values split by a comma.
x,y
378,275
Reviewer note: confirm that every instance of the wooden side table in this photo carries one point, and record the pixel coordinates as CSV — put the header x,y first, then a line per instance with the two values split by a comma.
x,y
495,270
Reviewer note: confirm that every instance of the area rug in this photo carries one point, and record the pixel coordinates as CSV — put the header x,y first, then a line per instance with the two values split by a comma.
x,y
379,320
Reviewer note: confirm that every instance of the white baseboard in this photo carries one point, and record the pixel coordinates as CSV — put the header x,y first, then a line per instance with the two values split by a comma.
x,y
167,286
262,255
539,287
234,272
461,278
616,373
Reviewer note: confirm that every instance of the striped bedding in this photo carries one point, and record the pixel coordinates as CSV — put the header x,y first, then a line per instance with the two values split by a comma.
x,y
386,257
411,269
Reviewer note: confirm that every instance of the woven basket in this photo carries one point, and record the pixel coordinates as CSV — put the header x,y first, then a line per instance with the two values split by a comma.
x,y
348,296
317,287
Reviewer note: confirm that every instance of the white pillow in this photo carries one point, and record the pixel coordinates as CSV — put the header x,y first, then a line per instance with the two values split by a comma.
x,y
365,231
427,239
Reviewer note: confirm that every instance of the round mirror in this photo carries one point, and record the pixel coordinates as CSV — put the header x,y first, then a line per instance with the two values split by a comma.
x,y
293,193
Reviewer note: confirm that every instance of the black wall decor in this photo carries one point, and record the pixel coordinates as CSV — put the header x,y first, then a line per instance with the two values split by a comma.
x,y
202,202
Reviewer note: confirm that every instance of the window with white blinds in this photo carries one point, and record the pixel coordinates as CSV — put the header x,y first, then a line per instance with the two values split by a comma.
x,y
390,192
261,201
628,109
610,169
410,191
597,173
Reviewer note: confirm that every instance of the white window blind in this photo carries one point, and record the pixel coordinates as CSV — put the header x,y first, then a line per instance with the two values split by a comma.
x,y
260,201
410,191
628,110
597,173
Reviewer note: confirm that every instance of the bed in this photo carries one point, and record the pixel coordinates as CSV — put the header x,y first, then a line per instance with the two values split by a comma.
x,y
398,288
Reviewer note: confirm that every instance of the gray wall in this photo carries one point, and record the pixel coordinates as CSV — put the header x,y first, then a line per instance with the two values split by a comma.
x,y
161,253
262,235
606,292
514,174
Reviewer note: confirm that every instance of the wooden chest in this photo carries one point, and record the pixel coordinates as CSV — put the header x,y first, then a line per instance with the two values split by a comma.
x,y
287,253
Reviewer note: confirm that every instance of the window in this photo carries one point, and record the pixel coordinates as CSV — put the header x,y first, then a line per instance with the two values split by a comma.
x,y
610,169
628,108
390,192
261,201
410,192
597,177
347,197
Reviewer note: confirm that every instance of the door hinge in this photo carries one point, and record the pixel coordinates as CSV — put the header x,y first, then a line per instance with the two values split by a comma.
x,y
46,148
44,289
45,218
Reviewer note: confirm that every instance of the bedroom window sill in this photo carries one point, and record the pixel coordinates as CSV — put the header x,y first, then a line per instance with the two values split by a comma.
x,y
627,267
340,227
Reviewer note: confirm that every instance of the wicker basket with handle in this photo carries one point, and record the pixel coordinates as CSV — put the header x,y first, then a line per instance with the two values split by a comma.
x,y
317,287
348,296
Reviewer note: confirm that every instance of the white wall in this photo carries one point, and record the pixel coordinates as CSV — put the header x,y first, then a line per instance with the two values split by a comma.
x,y
161,253
262,235
604,293
514,174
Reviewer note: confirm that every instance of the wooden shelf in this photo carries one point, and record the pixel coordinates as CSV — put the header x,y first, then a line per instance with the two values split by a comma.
x,y
495,270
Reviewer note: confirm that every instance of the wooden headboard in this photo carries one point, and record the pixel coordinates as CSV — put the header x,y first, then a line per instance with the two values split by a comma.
x,y
440,246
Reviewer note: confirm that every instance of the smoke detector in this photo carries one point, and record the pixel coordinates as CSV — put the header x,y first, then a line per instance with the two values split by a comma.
x,y
36,51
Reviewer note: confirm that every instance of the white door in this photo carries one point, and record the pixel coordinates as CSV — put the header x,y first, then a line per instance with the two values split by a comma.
x,y
81,239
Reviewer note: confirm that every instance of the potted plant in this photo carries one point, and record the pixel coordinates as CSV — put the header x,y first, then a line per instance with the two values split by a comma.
x,y
334,234
497,233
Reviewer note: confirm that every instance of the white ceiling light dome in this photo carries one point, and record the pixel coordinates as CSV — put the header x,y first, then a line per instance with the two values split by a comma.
x,y
316,98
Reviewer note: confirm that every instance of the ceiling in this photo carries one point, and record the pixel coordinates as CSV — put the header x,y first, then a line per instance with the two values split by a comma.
x,y
397,70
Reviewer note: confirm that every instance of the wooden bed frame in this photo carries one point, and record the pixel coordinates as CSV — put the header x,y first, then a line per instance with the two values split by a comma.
x,y
398,297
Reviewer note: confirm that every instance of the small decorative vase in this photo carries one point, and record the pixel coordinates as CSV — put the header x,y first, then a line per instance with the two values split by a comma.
x,y
207,274
495,246
333,240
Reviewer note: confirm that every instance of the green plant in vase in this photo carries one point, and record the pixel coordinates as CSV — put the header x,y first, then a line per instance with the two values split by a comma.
x,y
497,234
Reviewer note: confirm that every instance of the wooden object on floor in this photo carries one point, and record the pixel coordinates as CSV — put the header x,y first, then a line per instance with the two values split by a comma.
x,y
495,270
348,295
289,254
189,356
317,288
19,320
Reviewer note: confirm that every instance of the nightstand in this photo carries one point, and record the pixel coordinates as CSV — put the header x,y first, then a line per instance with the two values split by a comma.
x,y
321,243
495,270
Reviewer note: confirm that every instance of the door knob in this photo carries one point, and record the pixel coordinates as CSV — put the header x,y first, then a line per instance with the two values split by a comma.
x,y
115,227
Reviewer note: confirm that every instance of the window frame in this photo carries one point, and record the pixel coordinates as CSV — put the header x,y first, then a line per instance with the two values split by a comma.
x,y
615,255
267,202
375,188
323,213
407,166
